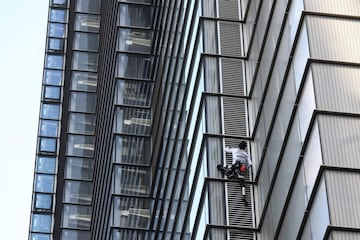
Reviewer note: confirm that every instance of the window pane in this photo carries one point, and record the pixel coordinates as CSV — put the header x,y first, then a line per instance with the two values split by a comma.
x,y
53,77
41,223
82,102
56,44
43,202
52,93
132,120
50,111
85,61
82,146
78,192
79,168
44,183
76,217
49,128
58,15
137,93
47,145
131,180
87,23
54,61
40,236
60,2
57,30
82,123
45,164
88,6
133,150
86,41
134,66
67,234
84,81
134,40
135,15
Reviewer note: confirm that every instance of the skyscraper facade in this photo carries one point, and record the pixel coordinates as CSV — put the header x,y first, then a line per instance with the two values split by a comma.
x,y
140,97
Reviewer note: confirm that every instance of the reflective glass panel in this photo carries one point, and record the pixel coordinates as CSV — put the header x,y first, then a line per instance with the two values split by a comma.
x,y
82,123
134,66
88,6
87,23
47,144
78,192
84,81
57,30
67,234
43,202
58,15
134,40
56,44
76,216
59,2
137,93
40,236
52,92
82,102
134,15
53,77
132,120
44,183
48,128
132,180
79,168
85,61
82,146
133,150
41,223
86,41
45,164
50,111
54,61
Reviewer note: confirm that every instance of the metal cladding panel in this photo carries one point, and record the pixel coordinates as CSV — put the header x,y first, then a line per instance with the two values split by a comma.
x,y
229,9
337,87
334,38
338,235
340,140
230,39
344,198
346,7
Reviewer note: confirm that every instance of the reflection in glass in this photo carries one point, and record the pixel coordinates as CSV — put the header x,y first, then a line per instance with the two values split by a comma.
x,y
54,61
132,120
39,236
50,111
136,93
131,180
60,2
44,183
133,66
82,102
76,216
134,40
78,192
88,6
86,41
79,168
48,128
134,15
52,92
82,123
67,234
56,44
43,202
82,146
133,150
84,81
45,164
53,77
47,145
57,30
87,23
41,223
58,15
85,61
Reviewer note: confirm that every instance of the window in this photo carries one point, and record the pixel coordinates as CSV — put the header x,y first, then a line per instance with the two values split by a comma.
x,y
84,81
47,144
41,223
56,44
45,164
76,216
50,111
79,168
83,102
134,40
87,23
85,61
53,77
51,92
88,6
48,128
44,183
58,15
134,15
39,236
57,30
82,123
78,192
80,146
54,61
86,41
60,2
134,66
43,202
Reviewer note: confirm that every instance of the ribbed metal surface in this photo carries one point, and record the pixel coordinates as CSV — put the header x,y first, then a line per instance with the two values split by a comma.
x,y
229,9
347,7
232,76
230,41
337,235
344,35
340,140
234,116
344,198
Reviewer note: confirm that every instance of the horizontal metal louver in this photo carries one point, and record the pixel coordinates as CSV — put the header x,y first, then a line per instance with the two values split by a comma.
x,y
229,9
230,41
